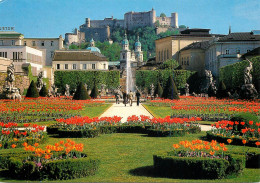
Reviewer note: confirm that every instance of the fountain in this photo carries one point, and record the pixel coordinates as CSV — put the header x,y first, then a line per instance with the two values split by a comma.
x,y
129,77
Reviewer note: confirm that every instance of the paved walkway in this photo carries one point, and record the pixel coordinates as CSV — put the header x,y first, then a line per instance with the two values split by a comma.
x,y
122,111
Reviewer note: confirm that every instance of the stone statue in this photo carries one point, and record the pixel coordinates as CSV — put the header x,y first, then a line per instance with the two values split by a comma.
x,y
187,90
152,90
53,90
207,82
103,90
67,90
39,83
86,86
247,73
10,77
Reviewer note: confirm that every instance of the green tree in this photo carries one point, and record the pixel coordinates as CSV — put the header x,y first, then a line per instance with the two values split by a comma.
x,y
32,91
182,26
170,90
157,23
94,91
162,15
81,93
169,64
73,47
44,91
158,90
222,91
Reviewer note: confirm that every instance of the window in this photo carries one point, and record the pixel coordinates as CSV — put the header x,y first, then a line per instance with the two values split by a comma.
x,y
74,66
3,54
123,56
182,61
227,52
1,42
33,43
51,43
42,43
162,56
13,42
188,61
167,54
104,66
24,43
159,55
93,66
58,66
52,54
84,66
66,66
238,51
248,50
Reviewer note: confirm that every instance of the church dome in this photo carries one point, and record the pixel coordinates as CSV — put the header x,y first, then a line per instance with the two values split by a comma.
x,y
93,49
125,41
137,43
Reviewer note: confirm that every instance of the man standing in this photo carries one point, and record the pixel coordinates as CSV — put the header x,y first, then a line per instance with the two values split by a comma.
x,y
117,97
124,98
131,95
137,97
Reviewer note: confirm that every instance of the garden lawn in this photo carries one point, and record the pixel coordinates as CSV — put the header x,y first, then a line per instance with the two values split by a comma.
x,y
129,158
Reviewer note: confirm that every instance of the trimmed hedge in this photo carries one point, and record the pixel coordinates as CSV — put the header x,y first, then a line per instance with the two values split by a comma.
x,y
171,166
245,117
63,169
32,91
233,75
144,78
63,133
81,93
109,78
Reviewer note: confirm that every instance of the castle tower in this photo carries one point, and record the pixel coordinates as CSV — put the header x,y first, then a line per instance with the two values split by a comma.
x,y
152,17
125,53
174,20
92,42
88,22
125,43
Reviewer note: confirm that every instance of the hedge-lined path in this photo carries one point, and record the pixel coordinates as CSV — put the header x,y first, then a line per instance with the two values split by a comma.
x,y
125,111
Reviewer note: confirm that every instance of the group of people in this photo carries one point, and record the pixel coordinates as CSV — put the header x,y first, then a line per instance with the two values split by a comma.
x,y
128,98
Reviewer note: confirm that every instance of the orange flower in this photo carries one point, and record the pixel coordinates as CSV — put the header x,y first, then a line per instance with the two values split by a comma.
x,y
1,145
221,144
242,123
47,156
212,153
176,146
257,143
244,141
229,141
251,122
61,142
224,149
36,144
13,146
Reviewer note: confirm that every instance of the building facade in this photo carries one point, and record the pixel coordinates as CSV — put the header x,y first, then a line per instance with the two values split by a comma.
x,y
22,55
89,59
169,47
229,49
4,63
76,37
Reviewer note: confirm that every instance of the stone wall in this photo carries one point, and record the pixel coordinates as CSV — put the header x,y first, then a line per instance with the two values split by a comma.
x,y
22,82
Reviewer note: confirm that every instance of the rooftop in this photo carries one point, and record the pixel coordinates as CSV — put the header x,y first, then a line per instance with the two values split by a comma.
x,y
78,55
197,45
10,34
240,36
254,52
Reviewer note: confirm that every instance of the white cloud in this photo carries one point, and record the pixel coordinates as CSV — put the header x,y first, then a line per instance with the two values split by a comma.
x,y
249,9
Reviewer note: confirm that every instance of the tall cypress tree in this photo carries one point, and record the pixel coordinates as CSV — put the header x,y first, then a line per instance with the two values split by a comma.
x,y
94,92
81,93
222,91
32,91
170,91
43,92
158,90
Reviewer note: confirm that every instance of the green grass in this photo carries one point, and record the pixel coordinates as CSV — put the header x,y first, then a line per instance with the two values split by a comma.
x,y
129,158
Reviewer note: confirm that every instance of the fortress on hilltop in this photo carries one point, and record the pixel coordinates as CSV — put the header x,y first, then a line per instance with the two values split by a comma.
x,y
100,29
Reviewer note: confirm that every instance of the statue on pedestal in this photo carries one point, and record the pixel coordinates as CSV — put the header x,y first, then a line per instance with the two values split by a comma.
x,y
247,74
39,83
10,77
67,90
152,90
187,90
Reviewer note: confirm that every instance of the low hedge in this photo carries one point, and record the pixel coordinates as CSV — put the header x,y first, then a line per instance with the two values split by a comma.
x,y
63,169
133,129
52,130
166,133
64,133
197,167
235,141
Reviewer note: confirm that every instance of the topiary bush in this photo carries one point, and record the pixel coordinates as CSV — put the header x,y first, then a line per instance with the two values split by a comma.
x,y
222,91
158,90
170,91
94,92
44,91
32,91
81,93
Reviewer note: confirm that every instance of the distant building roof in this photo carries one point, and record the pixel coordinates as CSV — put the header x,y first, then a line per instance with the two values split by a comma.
x,y
197,45
78,55
93,49
254,52
10,34
195,31
240,36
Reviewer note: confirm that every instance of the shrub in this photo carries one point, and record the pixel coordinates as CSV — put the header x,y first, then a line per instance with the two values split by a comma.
x,y
197,167
159,90
32,91
170,90
81,93
43,91
78,133
221,92
53,170
245,117
94,92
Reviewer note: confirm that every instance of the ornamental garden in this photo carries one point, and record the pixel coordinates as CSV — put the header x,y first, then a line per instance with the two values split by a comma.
x,y
186,138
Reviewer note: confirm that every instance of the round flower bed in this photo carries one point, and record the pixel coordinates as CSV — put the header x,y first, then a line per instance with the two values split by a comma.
x,y
64,160
198,159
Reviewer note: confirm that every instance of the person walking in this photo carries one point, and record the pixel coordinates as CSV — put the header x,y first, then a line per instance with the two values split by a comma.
x,y
137,97
131,95
117,97
124,98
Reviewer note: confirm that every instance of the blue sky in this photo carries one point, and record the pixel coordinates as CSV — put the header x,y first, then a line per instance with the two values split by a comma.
x,y
51,18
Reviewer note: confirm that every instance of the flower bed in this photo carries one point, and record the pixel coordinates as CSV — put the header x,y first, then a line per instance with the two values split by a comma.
x,y
64,160
11,136
198,159
234,132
